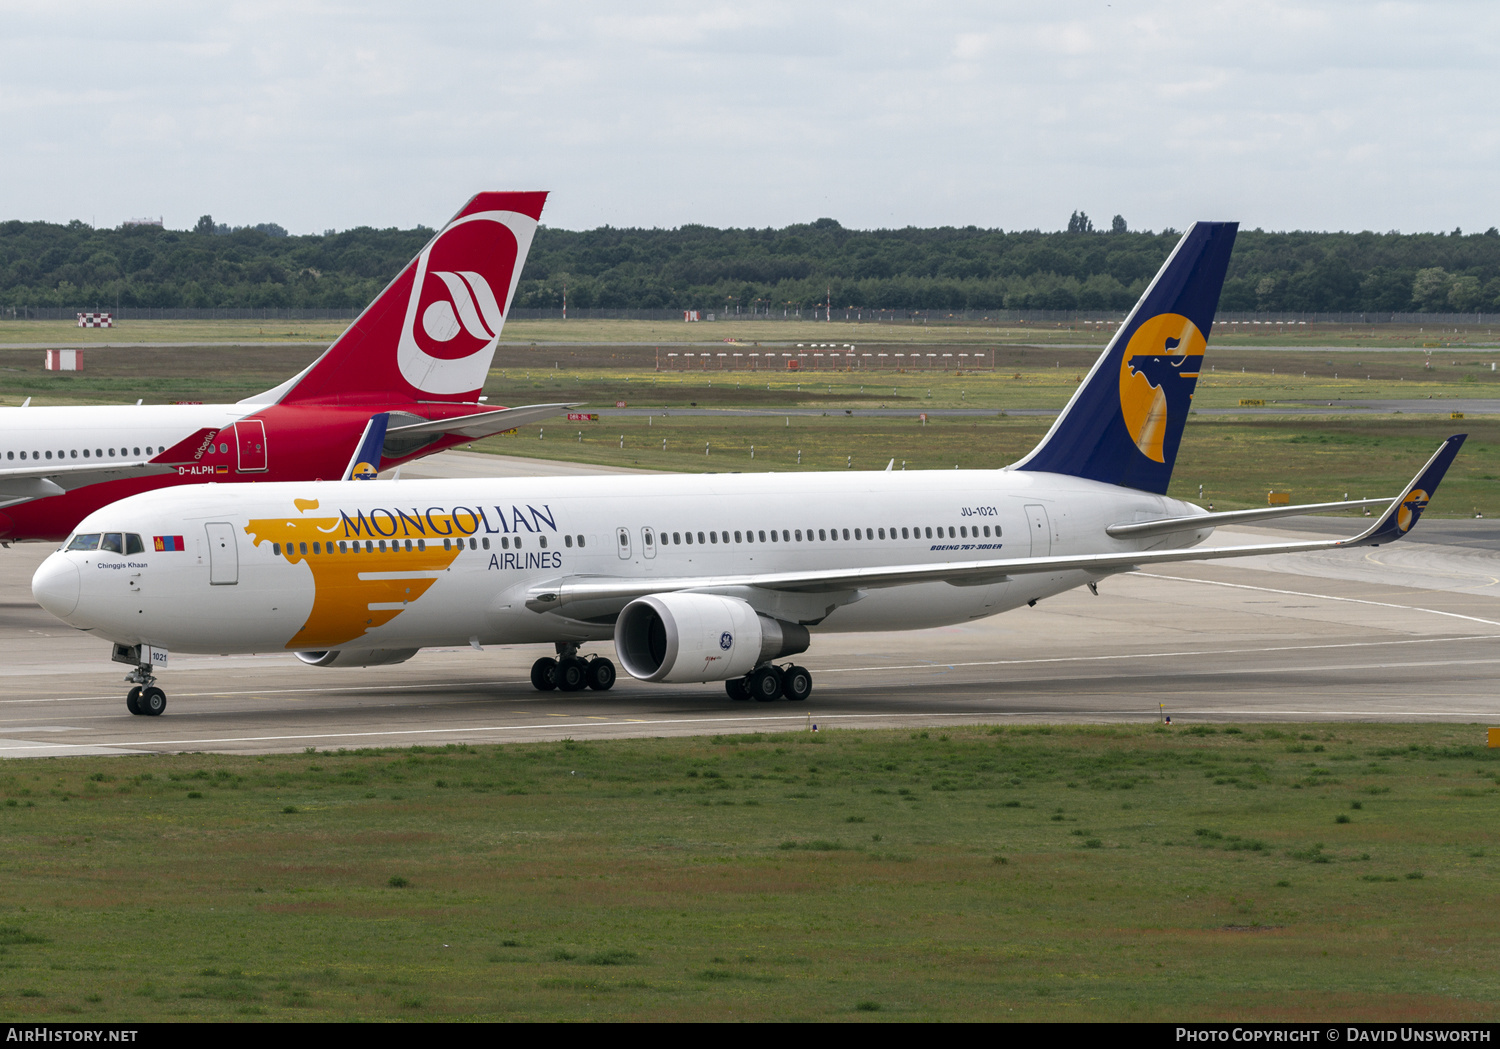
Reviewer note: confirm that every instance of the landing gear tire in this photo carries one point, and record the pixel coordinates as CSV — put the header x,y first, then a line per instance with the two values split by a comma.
x,y
796,683
765,684
133,701
544,674
153,701
737,688
601,674
572,675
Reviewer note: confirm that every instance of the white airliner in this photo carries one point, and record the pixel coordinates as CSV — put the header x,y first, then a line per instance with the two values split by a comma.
x,y
695,578
406,374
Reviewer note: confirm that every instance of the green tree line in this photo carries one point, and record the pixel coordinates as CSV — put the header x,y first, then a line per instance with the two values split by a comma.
x,y
794,268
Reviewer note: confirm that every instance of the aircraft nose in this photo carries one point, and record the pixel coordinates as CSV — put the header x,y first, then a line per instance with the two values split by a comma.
x,y
56,586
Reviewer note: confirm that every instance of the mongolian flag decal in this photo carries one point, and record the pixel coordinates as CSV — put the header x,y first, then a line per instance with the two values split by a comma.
x,y
166,543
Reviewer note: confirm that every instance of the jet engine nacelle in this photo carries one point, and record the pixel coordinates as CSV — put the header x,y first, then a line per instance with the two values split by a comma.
x,y
357,657
700,637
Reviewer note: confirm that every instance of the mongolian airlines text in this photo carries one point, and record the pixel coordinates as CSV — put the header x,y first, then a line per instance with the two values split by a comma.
x,y
437,522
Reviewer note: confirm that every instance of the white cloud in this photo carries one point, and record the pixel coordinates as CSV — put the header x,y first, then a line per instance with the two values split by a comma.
x,y
1322,115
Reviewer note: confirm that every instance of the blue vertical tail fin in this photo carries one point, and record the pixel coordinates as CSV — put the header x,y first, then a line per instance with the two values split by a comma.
x,y
1124,423
365,465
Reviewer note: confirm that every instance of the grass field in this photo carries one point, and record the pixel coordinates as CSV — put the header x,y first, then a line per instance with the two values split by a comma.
x,y
778,332
1236,460
1131,873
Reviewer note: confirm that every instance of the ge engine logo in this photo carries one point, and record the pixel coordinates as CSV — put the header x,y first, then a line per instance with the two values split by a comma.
x,y
725,640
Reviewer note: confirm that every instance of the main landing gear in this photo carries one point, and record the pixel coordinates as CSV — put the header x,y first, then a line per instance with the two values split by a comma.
x,y
771,682
570,672
145,698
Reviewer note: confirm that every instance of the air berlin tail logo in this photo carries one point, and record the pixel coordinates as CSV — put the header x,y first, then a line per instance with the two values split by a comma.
x,y
460,291
470,307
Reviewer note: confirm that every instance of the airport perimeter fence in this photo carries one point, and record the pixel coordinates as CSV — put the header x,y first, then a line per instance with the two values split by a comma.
x,y
852,315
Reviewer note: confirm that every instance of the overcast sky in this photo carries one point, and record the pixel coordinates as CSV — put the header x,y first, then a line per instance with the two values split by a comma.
x,y
1319,116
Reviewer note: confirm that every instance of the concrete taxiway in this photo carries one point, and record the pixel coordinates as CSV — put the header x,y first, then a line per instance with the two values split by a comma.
x,y
1405,632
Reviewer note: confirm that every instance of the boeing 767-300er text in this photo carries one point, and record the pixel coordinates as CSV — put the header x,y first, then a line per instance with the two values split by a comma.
x,y
405,377
695,577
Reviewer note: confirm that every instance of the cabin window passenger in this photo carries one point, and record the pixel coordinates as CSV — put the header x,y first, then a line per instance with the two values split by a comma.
x,y
580,541
929,533
856,533
75,454
713,537
276,549
85,542
700,538
85,453
49,455
382,546
343,547
98,453
567,541
690,538
540,539
472,544
487,542
505,542
518,542
799,535
950,533
317,548
846,534
822,534
447,544
302,549
137,451
421,545
370,546
737,537
763,535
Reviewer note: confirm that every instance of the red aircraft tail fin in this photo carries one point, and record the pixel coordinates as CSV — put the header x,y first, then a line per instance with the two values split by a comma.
x,y
431,334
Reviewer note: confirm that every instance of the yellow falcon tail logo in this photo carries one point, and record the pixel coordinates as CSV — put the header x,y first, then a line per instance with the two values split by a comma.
x,y
1157,374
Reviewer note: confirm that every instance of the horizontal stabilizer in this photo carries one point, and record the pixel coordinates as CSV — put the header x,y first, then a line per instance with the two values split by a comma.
x,y
483,424
1170,525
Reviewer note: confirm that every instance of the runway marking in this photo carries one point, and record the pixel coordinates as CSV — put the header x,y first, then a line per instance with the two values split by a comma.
x,y
388,690
1145,715
1199,653
1323,597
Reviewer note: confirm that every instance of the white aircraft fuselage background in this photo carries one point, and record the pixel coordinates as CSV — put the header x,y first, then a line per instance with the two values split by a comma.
x,y
521,535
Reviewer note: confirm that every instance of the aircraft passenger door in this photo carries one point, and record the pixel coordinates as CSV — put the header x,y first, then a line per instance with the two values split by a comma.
x,y
1041,531
250,440
622,543
223,554
648,542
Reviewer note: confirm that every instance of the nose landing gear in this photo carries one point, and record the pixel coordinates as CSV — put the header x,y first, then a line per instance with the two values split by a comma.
x,y
145,698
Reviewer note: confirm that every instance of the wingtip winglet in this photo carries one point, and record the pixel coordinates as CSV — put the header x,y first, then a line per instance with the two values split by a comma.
x,y
1402,515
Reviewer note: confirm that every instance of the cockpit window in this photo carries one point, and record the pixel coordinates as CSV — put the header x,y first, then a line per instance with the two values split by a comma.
x,y
133,544
85,542
113,543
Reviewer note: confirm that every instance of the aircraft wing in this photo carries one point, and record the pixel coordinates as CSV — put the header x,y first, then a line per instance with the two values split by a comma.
x,y
25,483
1399,518
482,424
